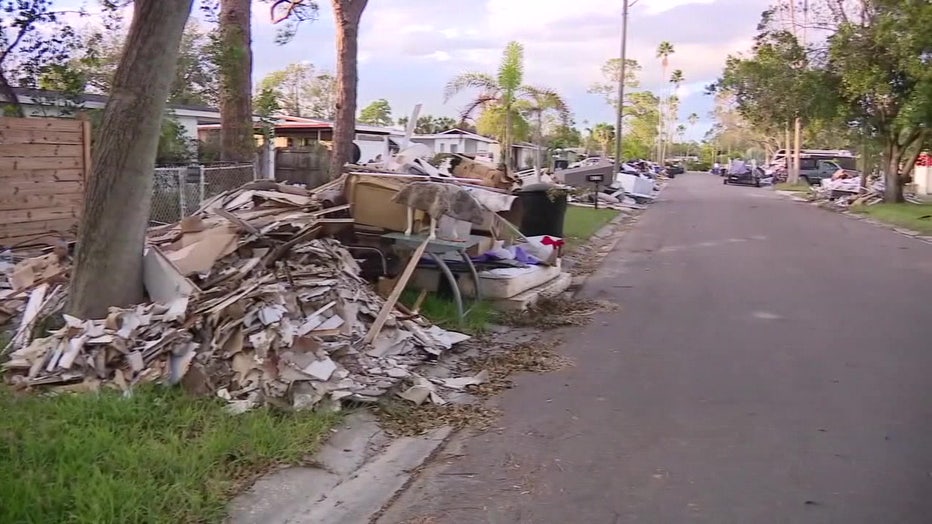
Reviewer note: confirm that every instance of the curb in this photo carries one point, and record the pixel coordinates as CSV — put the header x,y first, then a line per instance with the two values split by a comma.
x,y
916,235
357,473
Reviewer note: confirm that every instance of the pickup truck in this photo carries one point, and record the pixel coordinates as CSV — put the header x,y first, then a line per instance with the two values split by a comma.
x,y
812,171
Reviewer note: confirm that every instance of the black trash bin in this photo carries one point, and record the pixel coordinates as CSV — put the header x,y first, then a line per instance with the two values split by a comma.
x,y
542,210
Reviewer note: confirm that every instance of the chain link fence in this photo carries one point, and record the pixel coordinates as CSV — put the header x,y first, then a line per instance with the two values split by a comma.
x,y
179,191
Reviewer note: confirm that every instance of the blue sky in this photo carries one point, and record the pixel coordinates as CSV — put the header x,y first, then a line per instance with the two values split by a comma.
x,y
409,49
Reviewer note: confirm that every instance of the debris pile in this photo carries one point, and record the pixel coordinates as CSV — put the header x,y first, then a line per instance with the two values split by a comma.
x,y
247,302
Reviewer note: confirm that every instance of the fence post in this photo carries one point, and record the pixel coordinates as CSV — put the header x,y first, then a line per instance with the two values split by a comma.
x,y
201,181
182,182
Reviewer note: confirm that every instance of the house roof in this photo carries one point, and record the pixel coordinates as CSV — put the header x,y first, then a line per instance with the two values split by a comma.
x,y
28,95
307,124
465,134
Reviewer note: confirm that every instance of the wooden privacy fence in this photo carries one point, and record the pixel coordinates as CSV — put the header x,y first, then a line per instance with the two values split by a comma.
x,y
44,167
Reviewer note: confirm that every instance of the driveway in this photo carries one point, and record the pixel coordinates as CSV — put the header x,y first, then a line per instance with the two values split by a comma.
x,y
769,362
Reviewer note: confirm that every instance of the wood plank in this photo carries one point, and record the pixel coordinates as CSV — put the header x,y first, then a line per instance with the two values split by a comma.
x,y
20,216
40,136
42,239
48,124
40,188
41,151
41,163
54,200
37,227
86,130
12,176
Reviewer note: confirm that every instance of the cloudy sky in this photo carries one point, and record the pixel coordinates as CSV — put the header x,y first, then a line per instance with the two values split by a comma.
x,y
410,48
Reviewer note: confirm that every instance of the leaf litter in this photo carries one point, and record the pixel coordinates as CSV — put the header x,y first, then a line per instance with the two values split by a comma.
x,y
537,356
557,312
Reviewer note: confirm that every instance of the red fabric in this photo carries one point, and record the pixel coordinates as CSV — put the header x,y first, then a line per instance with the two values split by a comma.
x,y
555,242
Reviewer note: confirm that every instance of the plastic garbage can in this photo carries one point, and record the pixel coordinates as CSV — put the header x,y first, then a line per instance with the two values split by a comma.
x,y
542,210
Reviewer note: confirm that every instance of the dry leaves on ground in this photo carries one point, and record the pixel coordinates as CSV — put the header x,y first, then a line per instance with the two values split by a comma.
x,y
404,419
537,356
556,312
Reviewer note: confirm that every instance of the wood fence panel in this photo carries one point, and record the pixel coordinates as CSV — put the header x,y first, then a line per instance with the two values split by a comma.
x,y
44,167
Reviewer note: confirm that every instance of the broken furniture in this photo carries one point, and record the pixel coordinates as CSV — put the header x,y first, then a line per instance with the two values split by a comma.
x,y
436,249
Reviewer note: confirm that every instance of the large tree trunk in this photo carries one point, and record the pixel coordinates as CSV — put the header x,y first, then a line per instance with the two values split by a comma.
x,y
237,143
893,184
347,14
108,265
795,163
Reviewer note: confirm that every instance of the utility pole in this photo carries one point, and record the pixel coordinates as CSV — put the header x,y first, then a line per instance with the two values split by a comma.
x,y
621,88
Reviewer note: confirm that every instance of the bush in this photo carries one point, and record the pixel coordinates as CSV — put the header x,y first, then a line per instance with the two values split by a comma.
x,y
698,166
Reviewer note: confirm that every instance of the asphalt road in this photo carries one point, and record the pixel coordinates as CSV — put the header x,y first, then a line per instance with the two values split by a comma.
x,y
770,362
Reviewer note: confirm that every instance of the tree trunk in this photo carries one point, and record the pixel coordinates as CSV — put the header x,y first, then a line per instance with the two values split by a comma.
x,y
795,164
12,101
506,139
539,132
347,14
893,185
108,264
237,143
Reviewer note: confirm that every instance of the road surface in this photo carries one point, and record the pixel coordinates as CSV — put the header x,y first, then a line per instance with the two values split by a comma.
x,y
770,362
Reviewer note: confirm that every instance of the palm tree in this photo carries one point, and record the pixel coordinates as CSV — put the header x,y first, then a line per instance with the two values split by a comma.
x,y
692,119
604,134
500,91
664,50
539,101
502,98
672,107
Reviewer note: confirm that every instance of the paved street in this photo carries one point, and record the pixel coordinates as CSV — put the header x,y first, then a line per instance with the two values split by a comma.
x,y
770,362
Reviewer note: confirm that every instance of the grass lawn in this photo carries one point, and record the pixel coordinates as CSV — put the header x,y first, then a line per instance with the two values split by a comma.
x,y
784,186
917,217
581,223
159,456
442,311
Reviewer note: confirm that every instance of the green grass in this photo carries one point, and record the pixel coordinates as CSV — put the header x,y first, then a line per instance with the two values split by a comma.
x,y
905,215
784,186
442,311
581,223
159,456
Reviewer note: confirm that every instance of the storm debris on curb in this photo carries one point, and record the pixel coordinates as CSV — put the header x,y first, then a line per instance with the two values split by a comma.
x,y
247,303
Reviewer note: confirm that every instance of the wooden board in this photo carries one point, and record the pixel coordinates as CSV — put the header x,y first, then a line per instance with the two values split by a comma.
x,y
40,136
34,201
41,151
9,176
47,124
62,225
19,216
44,167
41,163
40,188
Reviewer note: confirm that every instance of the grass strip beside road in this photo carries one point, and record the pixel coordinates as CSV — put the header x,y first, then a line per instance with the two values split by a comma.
x,y
580,223
800,188
917,217
159,456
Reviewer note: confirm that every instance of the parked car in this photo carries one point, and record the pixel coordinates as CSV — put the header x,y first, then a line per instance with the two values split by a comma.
x,y
674,168
745,176
813,170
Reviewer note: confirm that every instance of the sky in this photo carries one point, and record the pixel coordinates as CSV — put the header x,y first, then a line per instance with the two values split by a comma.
x,y
409,49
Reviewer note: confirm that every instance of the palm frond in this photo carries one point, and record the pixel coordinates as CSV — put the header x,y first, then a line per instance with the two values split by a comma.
x,y
511,70
469,81
479,102
545,99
